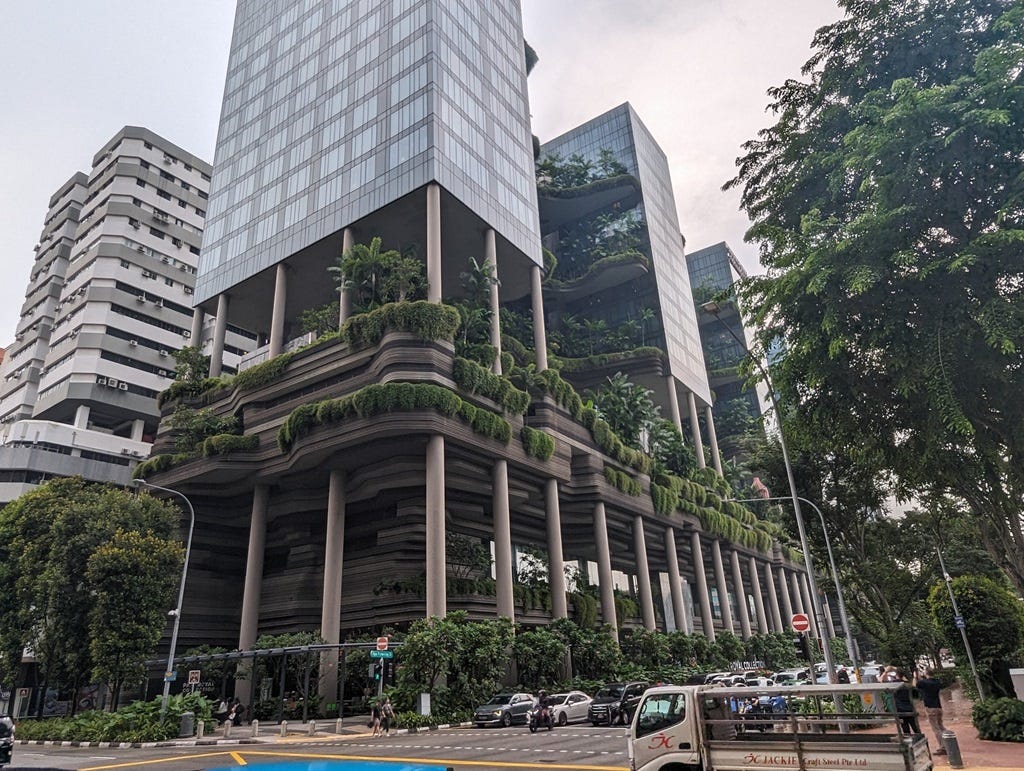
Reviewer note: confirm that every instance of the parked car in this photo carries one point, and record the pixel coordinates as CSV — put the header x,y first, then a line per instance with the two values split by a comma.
x,y
759,682
570,707
616,703
504,709
799,675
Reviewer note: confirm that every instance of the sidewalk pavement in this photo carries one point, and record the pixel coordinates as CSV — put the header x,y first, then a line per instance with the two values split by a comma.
x,y
978,754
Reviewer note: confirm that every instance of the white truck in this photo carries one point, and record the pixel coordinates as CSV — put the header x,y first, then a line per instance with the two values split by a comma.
x,y
709,728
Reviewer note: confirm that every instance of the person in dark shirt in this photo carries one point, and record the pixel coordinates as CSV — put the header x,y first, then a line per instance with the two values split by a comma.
x,y
904,703
929,686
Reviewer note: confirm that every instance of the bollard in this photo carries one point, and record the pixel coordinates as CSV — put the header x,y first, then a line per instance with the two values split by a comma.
x,y
337,726
952,746
284,728
200,729
255,729
227,729
311,728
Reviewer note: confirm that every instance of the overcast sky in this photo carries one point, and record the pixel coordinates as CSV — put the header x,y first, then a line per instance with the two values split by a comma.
x,y
76,71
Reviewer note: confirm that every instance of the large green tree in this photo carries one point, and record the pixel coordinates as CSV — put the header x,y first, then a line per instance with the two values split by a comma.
x,y
888,203
49,600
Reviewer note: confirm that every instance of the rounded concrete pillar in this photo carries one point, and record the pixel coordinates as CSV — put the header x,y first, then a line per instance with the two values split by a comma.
x,y
344,295
707,617
741,594
491,258
643,574
787,604
502,540
540,337
675,582
330,612
220,330
436,558
252,588
434,283
698,443
556,566
716,456
773,599
723,587
755,588
196,334
278,312
606,584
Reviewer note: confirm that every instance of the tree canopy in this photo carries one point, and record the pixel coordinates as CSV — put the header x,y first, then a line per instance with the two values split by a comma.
x,y
72,554
888,204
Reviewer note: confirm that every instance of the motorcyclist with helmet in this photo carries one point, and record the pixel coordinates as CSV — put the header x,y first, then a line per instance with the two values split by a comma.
x,y
542,716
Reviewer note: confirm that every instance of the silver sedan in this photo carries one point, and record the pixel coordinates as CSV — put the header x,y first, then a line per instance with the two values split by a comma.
x,y
569,707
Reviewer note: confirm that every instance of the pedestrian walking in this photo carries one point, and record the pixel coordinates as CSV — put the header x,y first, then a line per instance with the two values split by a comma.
x,y
387,713
903,701
375,714
929,686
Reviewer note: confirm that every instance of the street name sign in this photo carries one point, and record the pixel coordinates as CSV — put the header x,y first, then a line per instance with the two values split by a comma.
x,y
382,654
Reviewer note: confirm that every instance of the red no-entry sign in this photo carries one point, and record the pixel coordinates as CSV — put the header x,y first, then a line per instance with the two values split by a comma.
x,y
800,622
382,643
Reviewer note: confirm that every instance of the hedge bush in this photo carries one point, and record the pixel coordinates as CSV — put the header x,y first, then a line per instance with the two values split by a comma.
x,y
223,444
483,354
181,389
429,321
475,379
537,444
622,481
391,397
138,722
604,359
1001,720
159,463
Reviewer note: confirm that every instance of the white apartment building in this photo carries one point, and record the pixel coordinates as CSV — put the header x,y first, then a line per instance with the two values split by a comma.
x,y
109,300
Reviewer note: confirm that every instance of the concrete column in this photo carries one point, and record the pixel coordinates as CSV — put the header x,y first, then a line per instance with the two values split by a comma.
x,y
344,295
138,430
741,593
556,567
707,616
773,599
82,416
606,583
253,586
434,242
540,336
675,582
437,566
196,335
808,601
673,404
698,443
277,315
787,604
330,612
220,331
755,588
716,456
643,574
723,587
502,539
491,258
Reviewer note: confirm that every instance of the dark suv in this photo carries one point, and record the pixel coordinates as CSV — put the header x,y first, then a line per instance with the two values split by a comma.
x,y
616,703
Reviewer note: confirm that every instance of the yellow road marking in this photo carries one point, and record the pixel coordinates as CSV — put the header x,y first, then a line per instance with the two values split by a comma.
x,y
239,759
434,761
157,760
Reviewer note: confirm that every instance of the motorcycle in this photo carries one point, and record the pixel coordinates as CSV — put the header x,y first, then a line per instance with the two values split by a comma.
x,y
539,717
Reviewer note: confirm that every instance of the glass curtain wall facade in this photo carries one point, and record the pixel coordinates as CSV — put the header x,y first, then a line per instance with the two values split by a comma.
x,y
334,109
623,133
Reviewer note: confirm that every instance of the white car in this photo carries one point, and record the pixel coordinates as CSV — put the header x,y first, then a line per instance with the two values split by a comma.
x,y
569,707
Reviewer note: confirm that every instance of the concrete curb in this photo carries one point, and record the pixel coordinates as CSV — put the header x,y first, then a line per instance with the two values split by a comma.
x,y
135,745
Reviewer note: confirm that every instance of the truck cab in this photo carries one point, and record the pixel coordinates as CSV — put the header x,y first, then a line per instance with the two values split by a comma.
x,y
709,728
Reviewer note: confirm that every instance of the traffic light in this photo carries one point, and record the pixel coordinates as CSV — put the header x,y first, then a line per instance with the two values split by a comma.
x,y
378,670
801,645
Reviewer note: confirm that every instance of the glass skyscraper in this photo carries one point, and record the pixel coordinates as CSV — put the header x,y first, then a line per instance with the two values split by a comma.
x,y
335,110
667,291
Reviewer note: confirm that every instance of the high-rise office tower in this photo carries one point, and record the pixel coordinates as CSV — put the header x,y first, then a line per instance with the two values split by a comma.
x,y
108,302
725,340
656,280
348,120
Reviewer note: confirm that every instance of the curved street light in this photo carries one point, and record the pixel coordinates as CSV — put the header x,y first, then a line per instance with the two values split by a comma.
x,y
714,309
181,588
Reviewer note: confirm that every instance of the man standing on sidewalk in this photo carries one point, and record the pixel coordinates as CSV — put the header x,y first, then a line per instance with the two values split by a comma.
x,y
928,686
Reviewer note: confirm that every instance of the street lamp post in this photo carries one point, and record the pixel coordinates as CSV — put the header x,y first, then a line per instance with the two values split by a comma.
x,y
181,588
714,309
959,620
851,651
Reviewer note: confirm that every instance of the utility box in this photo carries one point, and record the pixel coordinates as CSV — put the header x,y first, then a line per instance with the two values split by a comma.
x,y
423,703
188,725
